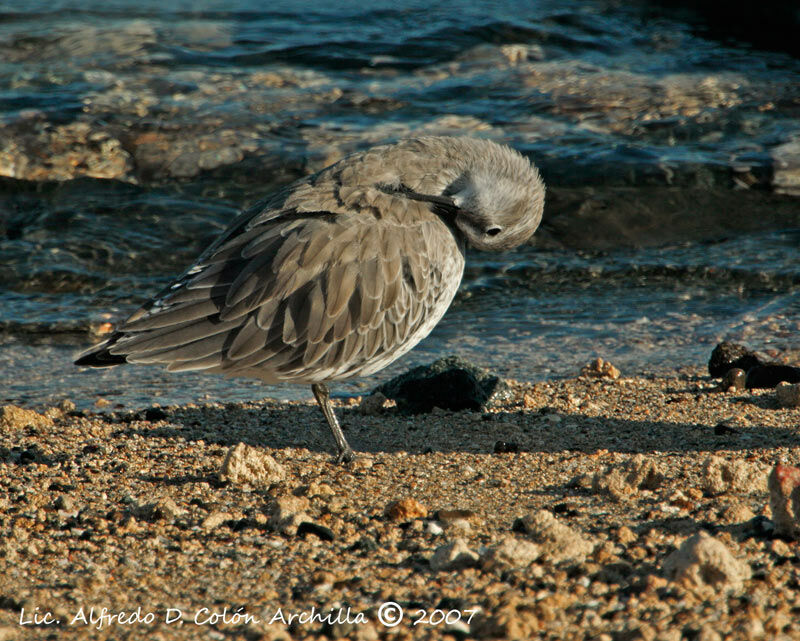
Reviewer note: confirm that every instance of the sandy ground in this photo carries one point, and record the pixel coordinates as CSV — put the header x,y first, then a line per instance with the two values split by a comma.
x,y
123,525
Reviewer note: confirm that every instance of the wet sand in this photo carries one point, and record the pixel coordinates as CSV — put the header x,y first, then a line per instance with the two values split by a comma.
x,y
555,516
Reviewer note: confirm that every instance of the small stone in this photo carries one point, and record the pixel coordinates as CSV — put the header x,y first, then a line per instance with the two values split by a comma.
x,y
784,499
626,480
214,520
705,562
511,552
287,513
320,531
788,394
102,402
16,418
734,380
625,535
154,414
721,476
738,513
599,368
372,404
66,406
781,548
458,526
433,528
505,447
64,503
558,542
245,464
448,516
453,556
162,509
406,510
361,463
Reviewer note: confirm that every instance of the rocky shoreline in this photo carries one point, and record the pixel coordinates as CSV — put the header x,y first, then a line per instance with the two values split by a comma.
x,y
589,508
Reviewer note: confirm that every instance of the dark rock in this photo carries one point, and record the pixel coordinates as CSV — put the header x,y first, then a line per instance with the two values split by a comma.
x,y
450,383
734,379
505,447
727,356
364,544
761,373
770,374
154,414
320,531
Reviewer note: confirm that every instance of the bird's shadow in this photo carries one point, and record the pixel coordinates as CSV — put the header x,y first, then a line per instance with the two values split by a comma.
x,y
279,426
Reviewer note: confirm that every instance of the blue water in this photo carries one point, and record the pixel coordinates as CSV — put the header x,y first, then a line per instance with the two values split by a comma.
x,y
131,132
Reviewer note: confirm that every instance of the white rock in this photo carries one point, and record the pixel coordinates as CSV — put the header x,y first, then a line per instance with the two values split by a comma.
x,y
510,553
245,464
453,556
703,561
557,542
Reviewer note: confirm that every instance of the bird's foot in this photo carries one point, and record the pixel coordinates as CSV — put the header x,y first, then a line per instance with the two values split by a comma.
x,y
345,456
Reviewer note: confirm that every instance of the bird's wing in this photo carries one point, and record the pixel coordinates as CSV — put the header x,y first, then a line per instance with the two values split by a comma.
x,y
300,295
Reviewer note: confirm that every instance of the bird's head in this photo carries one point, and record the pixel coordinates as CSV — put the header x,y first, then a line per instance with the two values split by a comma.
x,y
498,206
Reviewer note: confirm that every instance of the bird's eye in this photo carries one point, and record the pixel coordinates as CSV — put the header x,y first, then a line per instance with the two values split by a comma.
x,y
493,231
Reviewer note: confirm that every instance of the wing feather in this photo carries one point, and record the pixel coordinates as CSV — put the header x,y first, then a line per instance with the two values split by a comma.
x,y
290,295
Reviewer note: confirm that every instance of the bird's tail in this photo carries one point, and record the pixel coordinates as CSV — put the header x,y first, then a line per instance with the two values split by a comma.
x,y
100,355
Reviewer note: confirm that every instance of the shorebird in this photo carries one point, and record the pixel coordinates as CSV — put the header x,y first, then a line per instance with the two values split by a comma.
x,y
339,273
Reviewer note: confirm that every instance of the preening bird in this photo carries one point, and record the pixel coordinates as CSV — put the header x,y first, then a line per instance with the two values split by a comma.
x,y
340,273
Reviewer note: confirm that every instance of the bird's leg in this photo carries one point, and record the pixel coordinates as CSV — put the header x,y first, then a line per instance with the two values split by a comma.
x,y
344,453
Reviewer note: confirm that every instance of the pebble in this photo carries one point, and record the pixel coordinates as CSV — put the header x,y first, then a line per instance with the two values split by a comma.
x,y
64,503
704,562
215,519
455,555
249,465
372,404
287,513
788,394
626,480
737,513
322,532
600,368
161,509
558,542
721,476
458,526
625,535
511,552
734,380
448,516
433,528
784,500
406,510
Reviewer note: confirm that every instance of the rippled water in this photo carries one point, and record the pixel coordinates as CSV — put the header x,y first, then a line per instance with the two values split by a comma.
x,y
131,132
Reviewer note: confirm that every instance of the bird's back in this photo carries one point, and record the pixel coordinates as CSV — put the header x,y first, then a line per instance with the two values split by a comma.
x,y
336,276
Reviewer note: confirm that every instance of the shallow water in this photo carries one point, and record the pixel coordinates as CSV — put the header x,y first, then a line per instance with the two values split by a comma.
x,y
131,132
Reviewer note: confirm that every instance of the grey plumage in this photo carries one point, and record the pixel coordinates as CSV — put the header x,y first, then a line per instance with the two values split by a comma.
x,y
340,273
